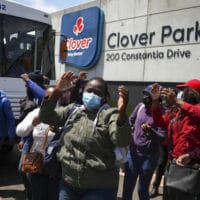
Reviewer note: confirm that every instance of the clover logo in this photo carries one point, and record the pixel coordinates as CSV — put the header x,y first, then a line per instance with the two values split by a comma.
x,y
78,27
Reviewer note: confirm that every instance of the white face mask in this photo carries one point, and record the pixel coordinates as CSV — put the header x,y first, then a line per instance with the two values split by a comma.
x,y
180,95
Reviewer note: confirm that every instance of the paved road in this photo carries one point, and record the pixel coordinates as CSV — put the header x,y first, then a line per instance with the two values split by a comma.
x,y
135,195
11,187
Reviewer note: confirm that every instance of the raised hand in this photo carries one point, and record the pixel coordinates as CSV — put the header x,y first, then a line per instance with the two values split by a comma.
x,y
65,82
24,77
155,92
122,103
170,96
82,75
155,95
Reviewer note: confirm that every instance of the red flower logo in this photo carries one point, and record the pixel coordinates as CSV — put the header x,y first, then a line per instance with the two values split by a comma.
x,y
78,27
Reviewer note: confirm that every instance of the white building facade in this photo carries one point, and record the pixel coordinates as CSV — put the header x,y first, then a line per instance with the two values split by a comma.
x,y
144,40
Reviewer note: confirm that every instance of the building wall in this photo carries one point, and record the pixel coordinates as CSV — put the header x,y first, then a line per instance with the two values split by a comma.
x,y
144,41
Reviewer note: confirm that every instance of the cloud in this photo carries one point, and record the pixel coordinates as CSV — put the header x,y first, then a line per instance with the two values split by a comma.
x,y
43,5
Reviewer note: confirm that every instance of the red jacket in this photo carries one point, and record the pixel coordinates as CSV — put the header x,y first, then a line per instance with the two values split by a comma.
x,y
185,129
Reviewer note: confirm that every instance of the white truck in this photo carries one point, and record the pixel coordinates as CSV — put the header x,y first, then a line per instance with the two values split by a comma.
x,y
23,31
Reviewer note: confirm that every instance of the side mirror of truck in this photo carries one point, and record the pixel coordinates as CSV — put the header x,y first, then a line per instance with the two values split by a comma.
x,y
63,50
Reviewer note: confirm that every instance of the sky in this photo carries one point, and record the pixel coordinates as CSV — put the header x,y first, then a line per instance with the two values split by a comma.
x,y
50,6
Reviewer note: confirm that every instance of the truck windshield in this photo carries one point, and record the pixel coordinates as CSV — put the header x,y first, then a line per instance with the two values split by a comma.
x,y
25,46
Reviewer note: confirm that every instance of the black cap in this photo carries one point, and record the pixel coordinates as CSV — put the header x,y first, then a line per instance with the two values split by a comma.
x,y
37,77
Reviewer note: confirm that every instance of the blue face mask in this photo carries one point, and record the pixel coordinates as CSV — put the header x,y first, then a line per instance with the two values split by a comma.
x,y
91,101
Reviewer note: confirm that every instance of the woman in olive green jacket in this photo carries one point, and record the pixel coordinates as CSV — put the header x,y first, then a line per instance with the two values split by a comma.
x,y
92,133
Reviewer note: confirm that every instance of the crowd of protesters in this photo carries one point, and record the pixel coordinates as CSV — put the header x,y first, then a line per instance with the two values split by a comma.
x,y
94,130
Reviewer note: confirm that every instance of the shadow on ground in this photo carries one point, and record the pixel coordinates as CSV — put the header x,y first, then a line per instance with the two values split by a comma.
x,y
12,194
11,187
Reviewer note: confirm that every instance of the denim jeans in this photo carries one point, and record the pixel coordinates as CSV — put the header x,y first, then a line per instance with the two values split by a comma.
x,y
162,163
25,149
142,167
24,176
67,192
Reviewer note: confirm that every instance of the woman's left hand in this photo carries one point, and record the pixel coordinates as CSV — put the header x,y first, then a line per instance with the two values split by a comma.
x,y
123,98
183,159
122,103
146,128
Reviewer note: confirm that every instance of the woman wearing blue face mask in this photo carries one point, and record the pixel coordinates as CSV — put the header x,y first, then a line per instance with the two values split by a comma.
x,y
93,131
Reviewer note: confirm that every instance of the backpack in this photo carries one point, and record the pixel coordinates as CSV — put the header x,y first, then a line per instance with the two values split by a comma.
x,y
52,167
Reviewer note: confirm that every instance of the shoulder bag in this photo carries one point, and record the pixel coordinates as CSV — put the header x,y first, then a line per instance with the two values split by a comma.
x,y
186,178
32,162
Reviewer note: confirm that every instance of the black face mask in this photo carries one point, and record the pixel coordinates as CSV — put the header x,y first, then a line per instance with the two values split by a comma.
x,y
191,100
147,100
191,96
